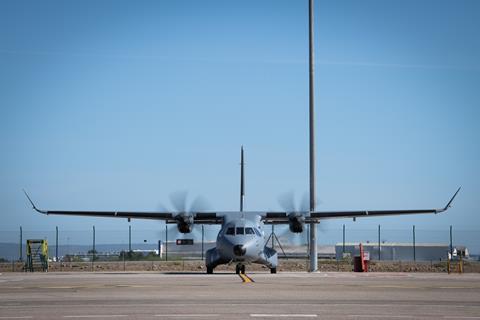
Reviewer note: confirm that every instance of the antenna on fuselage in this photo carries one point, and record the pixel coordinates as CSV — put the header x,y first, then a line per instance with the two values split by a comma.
x,y
242,180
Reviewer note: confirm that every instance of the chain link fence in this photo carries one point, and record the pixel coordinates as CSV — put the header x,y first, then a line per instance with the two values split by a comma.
x,y
97,245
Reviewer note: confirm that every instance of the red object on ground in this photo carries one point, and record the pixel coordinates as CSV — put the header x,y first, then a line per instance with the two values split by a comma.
x,y
359,262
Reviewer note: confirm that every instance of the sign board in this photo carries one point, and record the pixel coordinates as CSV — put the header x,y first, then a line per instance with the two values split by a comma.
x,y
366,255
182,242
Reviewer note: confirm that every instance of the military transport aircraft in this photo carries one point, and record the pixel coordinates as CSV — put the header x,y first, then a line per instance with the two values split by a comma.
x,y
242,238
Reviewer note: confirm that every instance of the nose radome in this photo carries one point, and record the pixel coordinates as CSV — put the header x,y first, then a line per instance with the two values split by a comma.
x,y
239,250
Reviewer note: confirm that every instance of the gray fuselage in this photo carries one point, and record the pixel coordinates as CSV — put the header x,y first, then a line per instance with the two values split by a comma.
x,y
242,240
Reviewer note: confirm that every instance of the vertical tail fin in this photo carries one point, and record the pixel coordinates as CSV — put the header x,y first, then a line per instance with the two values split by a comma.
x,y
242,180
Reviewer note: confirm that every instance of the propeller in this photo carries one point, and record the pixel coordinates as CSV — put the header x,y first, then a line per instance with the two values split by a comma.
x,y
295,210
181,205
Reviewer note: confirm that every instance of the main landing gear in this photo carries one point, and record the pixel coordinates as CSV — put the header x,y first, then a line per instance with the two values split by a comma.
x,y
209,270
273,270
240,268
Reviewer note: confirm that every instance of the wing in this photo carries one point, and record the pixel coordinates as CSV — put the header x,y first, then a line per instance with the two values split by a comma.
x,y
169,217
283,217
374,213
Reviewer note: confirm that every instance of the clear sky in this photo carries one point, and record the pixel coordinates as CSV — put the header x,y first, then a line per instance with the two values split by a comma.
x,y
114,105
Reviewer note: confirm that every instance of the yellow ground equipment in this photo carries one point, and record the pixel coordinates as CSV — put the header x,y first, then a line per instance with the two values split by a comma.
x,y
37,255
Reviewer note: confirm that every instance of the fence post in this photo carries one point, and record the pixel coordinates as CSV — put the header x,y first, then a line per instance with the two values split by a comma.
x,y
379,244
129,238
56,243
202,240
414,253
93,249
166,242
273,233
21,240
451,243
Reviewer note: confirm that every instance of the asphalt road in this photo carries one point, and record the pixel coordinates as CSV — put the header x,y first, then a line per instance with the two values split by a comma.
x,y
224,296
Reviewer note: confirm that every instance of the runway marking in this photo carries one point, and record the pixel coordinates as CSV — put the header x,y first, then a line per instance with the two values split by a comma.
x,y
275,315
369,316
98,316
245,278
187,315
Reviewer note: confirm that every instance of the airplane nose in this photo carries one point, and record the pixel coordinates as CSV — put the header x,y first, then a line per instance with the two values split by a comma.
x,y
239,250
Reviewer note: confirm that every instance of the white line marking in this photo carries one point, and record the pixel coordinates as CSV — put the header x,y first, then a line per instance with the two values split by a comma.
x,y
187,315
98,316
20,317
460,317
379,316
274,315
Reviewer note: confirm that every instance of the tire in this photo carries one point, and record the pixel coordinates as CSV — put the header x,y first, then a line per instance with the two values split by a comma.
x,y
237,269
209,270
273,270
242,269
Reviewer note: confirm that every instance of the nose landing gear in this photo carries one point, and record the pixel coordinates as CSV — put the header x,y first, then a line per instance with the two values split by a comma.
x,y
240,268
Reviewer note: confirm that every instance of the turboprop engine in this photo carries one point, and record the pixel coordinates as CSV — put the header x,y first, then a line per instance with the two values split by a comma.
x,y
296,222
184,222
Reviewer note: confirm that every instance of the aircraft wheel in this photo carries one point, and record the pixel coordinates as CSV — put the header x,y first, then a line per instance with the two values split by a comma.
x,y
237,269
273,270
209,270
242,269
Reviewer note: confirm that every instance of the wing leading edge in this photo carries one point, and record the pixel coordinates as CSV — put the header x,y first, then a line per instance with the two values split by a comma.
x,y
282,217
169,217
369,213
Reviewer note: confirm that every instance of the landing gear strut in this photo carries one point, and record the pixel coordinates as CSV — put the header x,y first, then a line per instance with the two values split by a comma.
x,y
240,268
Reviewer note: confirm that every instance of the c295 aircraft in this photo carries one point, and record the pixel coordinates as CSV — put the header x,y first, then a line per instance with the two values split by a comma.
x,y
242,238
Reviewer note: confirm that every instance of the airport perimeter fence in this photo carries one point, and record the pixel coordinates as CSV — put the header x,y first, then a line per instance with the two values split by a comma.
x,y
97,245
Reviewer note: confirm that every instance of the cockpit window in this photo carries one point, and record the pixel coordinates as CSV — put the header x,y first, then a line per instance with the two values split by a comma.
x,y
230,231
257,232
240,230
249,231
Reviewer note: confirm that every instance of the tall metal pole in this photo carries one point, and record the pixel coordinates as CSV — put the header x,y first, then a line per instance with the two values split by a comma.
x,y
414,253
129,238
379,244
313,226
21,245
56,243
343,248
242,181
166,242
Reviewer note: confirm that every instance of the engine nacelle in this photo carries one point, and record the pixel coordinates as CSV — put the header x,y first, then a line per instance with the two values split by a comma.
x,y
296,222
184,223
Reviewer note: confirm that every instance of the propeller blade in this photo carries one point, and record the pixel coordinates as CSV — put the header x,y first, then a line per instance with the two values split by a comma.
x,y
179,200
200,204
287,201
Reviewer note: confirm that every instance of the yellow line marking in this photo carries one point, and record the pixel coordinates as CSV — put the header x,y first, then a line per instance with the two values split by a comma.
x,y
245,278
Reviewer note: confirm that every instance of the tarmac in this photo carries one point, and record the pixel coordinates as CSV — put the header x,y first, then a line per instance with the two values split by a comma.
x,y
150,295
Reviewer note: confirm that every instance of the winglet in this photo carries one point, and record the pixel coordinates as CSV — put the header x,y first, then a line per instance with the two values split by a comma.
x,y
33,205
449,204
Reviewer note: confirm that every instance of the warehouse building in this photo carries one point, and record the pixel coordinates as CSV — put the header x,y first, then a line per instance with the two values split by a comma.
x,y
396,251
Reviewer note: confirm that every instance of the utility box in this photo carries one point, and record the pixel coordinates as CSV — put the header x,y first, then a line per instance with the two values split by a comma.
x,y
37,255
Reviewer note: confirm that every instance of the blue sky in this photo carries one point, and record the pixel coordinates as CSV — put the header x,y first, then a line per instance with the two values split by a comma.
x,y
117,104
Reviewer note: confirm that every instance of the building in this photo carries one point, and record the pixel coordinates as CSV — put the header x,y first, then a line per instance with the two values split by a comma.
x,y
396,251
